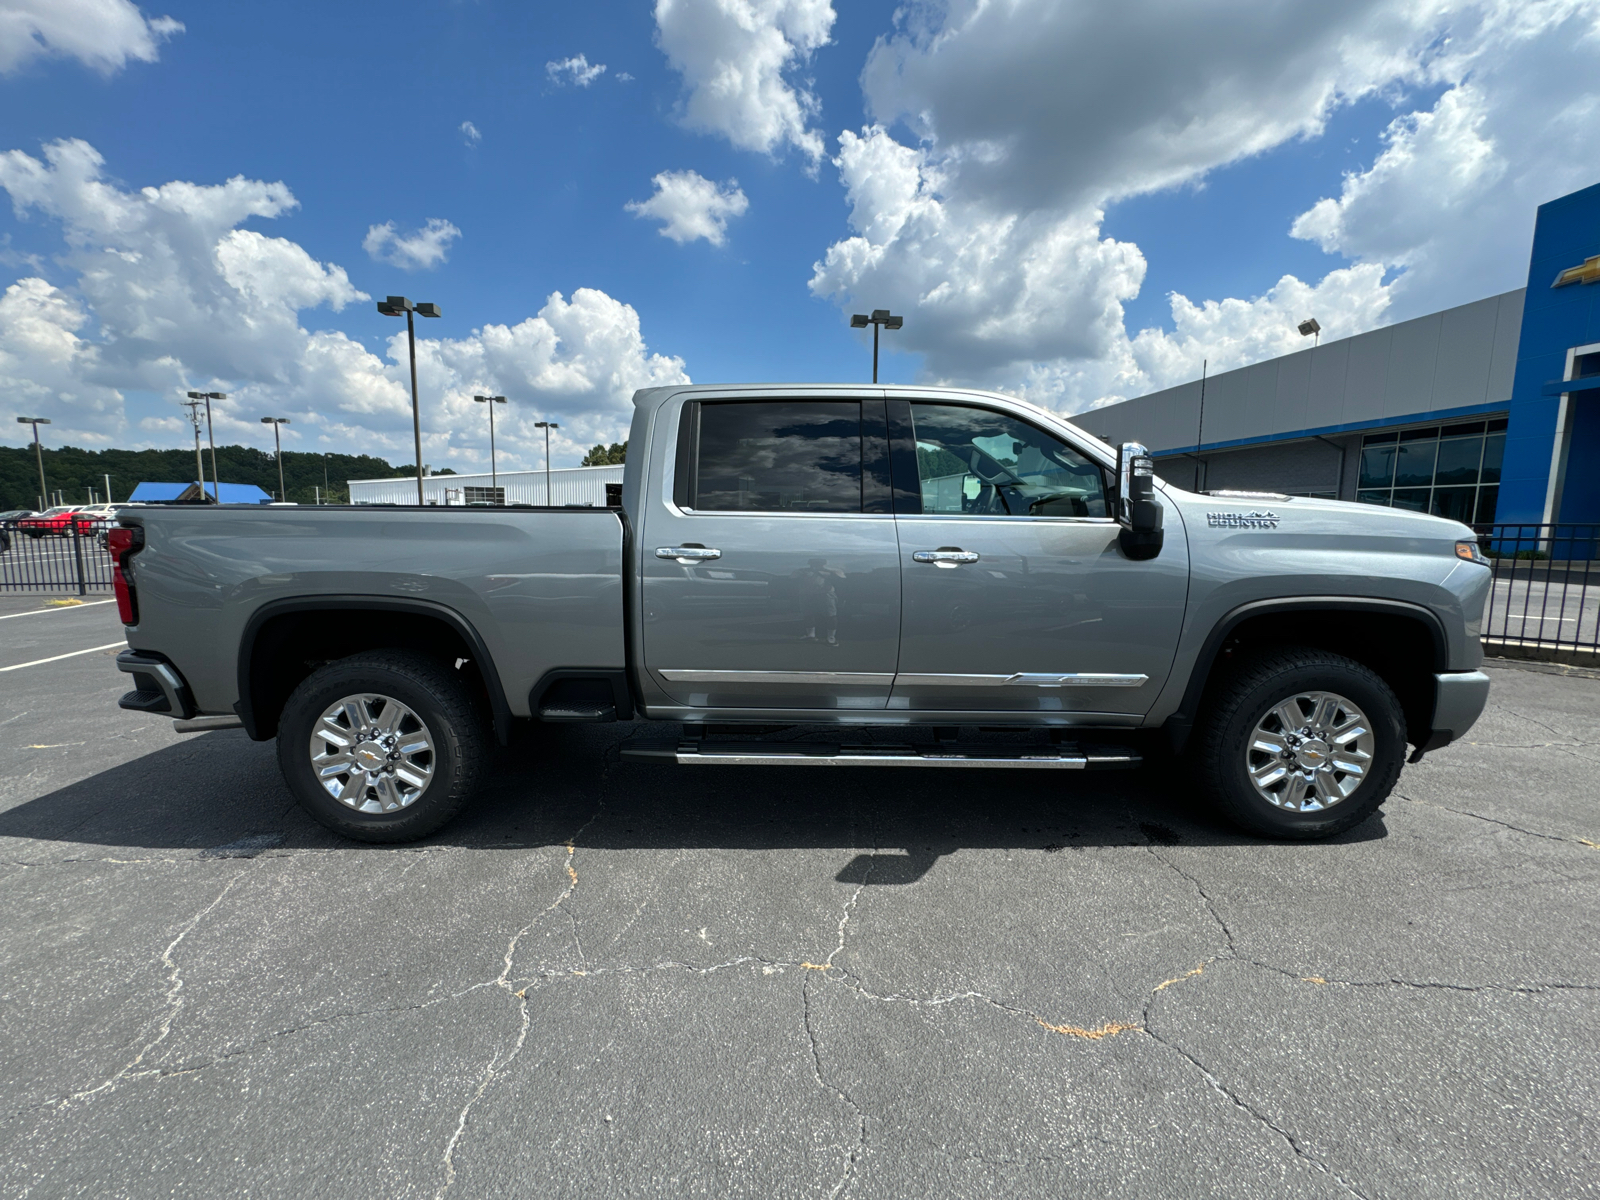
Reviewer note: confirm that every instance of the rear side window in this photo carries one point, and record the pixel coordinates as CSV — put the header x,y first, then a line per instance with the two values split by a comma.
x,y
778,456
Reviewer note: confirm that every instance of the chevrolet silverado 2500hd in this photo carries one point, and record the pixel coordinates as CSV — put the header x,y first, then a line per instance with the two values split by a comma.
x,y
861,558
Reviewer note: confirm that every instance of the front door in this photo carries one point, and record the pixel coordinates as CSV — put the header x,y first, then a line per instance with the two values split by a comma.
x,y
1017,596
772,579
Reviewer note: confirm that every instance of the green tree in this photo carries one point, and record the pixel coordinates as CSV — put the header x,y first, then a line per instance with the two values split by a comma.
x,y
72,472
606,456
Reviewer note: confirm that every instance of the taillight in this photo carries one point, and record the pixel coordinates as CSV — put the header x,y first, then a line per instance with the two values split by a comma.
x,y
124,542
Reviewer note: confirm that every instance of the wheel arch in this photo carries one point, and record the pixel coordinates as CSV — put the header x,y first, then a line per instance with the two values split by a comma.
x,y
267,674
1404,643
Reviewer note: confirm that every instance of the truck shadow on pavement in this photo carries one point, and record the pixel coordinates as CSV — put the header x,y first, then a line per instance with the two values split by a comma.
x,y
220,795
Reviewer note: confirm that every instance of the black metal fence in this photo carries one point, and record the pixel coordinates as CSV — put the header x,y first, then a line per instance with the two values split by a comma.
x,y
1546,590
72,558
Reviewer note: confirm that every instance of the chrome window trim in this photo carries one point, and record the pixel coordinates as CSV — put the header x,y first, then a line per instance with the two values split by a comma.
x,y
1041,679
834,678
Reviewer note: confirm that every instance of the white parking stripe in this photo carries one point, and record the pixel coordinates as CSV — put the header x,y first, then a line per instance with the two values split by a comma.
x,y
39,662
39,612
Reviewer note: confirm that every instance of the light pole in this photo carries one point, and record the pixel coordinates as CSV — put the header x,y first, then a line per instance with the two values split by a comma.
x,y
44,492
547,426
211,437
881,318
393,306
1310,328
278,448
491,401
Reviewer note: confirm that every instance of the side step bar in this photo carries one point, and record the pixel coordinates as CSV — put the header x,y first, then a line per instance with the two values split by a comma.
x,y
804,754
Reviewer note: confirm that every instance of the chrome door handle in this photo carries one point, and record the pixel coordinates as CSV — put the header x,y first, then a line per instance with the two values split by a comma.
x,y
687,554
947,557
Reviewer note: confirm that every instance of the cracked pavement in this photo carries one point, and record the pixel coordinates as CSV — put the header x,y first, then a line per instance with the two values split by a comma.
x,y
618,979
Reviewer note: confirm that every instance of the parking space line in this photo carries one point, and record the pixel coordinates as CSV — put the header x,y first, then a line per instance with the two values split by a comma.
x,y
39,612
39,662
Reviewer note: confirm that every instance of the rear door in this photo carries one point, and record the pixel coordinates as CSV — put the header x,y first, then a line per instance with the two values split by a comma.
x,y
1017,595
772,575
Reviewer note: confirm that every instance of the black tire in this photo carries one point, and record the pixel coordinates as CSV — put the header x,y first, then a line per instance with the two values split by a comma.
x,y
455,725
1251,690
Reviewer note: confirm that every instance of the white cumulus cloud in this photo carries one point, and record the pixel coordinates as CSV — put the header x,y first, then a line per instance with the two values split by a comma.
x,y
470,134
738,58
690,206
422,249
1032,117
576,70
102,34
169,291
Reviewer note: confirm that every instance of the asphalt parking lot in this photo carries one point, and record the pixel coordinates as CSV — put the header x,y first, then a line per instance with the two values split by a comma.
x,y
618,979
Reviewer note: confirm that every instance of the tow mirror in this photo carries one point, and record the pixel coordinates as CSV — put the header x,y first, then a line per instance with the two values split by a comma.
x,y
1138,510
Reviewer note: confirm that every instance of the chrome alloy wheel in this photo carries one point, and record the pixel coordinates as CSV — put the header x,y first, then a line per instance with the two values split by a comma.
x,y
372,753
1310,752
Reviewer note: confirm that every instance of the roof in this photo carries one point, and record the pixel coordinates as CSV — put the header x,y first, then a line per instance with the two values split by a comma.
x,y
227,493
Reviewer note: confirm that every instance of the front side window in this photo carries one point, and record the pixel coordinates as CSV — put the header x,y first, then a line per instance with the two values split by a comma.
x,y
974,462
779,456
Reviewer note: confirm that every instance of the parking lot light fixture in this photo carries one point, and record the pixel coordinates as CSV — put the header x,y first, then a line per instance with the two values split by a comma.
x,y
278,449
211,437
1310,328
547,426
491,401
881,318
44,492
395,306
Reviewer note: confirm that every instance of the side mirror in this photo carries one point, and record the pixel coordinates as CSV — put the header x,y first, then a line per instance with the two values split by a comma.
x,y
1138,510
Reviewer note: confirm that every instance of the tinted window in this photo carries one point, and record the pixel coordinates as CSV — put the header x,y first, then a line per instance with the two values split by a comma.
x,y
779,456
973,461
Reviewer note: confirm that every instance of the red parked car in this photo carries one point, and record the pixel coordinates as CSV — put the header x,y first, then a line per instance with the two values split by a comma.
x,y
58,521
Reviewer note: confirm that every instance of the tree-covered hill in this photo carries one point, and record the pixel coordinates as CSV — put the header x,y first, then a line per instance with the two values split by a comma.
x,y
73,472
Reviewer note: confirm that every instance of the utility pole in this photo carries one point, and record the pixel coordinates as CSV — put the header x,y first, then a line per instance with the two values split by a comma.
x,y
547,426
193,405
393,306
216,484
38,454
881,318
277,446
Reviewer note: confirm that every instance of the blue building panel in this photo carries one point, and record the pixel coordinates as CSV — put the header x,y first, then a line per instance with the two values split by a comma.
x,y
1553,445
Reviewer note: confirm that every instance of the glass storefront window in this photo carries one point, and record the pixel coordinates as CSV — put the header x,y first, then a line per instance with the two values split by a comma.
x,y
1458,460
1377,461
1450,471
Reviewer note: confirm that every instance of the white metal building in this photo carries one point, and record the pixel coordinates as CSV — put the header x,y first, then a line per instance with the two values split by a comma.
x,y
567,485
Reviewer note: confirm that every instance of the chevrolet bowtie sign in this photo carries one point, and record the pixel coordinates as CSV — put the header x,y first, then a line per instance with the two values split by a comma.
x,y
1589,272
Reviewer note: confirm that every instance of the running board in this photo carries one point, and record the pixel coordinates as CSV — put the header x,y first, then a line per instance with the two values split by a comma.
x,y
802,754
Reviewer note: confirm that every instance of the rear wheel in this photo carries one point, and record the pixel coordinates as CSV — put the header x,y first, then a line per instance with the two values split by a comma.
x,y
1300,743
384,746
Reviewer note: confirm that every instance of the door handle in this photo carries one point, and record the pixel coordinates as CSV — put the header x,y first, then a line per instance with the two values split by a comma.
x,y
687,554
945,556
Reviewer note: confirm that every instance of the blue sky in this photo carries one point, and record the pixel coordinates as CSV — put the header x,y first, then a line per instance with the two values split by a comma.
x,y
1029,235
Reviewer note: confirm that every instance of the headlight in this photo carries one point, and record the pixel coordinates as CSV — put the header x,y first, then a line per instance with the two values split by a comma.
x,y
1471,552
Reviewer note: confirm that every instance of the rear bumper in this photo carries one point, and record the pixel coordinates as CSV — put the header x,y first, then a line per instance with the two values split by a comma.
x,y
1458,701
158,688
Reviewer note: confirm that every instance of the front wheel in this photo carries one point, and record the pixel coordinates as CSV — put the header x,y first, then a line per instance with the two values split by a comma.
x,y
384,746
1300,743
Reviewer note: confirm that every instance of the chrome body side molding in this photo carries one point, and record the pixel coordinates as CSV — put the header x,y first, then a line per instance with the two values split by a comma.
x,y
1024,679
825,678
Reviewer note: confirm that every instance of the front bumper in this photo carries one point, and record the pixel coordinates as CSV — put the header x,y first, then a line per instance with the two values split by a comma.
x,y
1459,698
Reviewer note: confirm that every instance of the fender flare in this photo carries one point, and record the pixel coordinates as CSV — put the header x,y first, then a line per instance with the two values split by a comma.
x,y
1181,722
347,603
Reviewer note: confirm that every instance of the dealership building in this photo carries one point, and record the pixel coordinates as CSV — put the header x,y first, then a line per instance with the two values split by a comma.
x,y
1488,412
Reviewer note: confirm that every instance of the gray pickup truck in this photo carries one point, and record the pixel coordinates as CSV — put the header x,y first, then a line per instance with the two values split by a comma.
x,y
824,576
